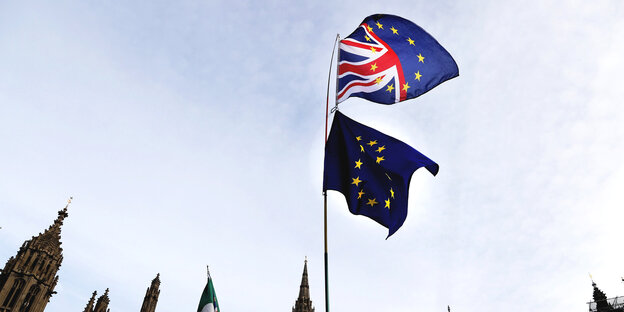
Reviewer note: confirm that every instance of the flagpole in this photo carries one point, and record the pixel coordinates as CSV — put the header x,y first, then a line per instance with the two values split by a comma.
x,y
325,192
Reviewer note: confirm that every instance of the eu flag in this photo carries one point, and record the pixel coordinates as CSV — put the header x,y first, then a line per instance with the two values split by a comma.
x,y
389,59
372,170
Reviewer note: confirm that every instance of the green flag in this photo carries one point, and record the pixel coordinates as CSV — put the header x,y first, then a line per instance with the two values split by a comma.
x,y
208,301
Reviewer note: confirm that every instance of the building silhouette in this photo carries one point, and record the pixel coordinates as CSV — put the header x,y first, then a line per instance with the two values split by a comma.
x,y
303,303
28,279
149,302
602,304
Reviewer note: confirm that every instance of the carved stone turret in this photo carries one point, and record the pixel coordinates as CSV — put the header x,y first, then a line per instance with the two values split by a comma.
x,y
303,303
27,281
151,296
89,307
102,303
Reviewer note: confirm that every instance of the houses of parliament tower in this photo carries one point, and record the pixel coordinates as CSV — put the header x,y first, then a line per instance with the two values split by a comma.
x,y
28,279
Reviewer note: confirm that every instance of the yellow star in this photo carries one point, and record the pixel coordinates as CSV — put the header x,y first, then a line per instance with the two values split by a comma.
x,y
379,25
378,80
387,203
390,87
421,58
411,42
371,143
367,38
372,202
359,138
381,148
418,75
380,159
358,163
406,86
373,67
391,193
369,28
394,31
362,148
360,193
373,49
356,181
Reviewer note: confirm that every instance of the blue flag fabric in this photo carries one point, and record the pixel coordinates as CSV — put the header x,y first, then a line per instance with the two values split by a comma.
x,y
389,59
372,170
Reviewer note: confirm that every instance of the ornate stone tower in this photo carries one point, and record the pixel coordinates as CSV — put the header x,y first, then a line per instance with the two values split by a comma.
x,y
151,296
303,303
27,281
102,303
89,307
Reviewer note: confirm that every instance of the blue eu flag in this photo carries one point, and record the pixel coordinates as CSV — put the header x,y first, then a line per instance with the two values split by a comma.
x,y
389,59
372,170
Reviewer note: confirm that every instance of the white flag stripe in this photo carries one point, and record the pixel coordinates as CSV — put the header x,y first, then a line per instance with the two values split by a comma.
x,y
208,308
388,75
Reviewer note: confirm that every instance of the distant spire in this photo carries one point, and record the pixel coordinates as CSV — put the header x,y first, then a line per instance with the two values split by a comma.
x,y
151,296
62,214
600,298
102,302
50,239
89,307
303,303
156,280
304,289
598,294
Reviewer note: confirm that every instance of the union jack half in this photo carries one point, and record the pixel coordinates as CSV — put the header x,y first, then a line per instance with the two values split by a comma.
x,y
389,59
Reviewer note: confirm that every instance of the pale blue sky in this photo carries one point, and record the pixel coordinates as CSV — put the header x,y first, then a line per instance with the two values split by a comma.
x,y
190,133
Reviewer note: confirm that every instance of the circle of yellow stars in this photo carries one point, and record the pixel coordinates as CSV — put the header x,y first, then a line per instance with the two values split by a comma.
x,y
358,165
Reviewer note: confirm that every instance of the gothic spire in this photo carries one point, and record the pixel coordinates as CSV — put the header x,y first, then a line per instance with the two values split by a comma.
x,y
304,289
62,214
89,306
303,303
102,303
600,298
151,296
156,280
51,238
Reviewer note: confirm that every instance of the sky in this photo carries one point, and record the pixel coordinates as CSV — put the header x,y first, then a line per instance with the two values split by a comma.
x,y
190,133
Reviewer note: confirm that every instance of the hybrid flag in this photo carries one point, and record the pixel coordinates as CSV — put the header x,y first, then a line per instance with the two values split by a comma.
x,y
389,59
372,170
208,301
